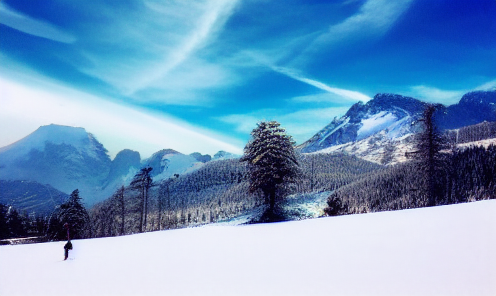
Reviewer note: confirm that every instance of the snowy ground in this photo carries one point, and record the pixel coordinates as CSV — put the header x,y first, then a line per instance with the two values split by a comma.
x,y
447,250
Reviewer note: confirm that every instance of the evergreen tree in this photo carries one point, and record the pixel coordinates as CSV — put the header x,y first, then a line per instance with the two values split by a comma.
x,y
4,229
16,223
428,154
119,204
142,182
271,162
164,199
75,215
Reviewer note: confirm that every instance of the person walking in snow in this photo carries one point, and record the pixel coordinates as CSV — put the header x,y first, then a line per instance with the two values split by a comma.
x,y
67,247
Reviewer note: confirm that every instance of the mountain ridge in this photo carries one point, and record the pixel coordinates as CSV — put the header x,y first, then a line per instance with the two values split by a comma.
x,y
396,115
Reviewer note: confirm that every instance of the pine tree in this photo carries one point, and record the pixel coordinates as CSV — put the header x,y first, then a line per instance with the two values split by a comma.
x,y
164,199
142,182
118,203
75,215
4,229
428,154
272,162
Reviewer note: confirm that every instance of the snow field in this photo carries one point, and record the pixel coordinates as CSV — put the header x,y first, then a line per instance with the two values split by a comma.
x,y
375,123
446,250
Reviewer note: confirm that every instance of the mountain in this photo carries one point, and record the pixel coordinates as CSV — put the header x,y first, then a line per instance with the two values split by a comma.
x,y
391,113
221,155
67,158
122,169
473,108
30,196
123,162
201,158
381,129
167,162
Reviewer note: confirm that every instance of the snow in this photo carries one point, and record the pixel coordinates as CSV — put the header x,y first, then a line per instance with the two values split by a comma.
x,y
327,134
481,143
375,123
177,164
56,134
447,250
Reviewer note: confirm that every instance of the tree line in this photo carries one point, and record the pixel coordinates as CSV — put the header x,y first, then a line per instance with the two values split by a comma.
x,y
51,227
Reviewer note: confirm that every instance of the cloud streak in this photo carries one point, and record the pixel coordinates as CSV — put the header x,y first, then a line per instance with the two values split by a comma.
x,y
175,31
374,18
348,95
32,26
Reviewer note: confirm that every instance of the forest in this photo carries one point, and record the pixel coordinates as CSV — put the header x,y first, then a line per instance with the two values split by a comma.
x,y
219,191
467,175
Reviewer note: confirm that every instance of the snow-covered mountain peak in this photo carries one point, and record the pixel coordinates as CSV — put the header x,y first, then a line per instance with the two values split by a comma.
x,y
76,137
67,158
386,112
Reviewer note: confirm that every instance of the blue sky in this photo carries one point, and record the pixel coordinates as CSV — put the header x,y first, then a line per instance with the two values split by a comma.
x,y
198,75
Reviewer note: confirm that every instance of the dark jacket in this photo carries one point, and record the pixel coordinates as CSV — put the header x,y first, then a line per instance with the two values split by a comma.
x,y
68,246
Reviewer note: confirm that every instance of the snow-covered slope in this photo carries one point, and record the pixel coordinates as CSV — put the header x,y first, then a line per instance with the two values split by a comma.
x,y
446,250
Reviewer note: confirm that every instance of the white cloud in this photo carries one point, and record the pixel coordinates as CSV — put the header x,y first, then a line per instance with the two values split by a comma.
x,y
374,19
345,94
446,97
375,16
244,123
117,126
491,85
32,26
432,94
165,38
304,124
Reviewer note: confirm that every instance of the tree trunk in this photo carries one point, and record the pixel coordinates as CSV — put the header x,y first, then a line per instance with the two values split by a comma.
x,y
272,200
142,209
146,206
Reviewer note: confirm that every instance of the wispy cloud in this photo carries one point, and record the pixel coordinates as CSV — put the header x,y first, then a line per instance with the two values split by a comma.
x,y
374,19
31,26
443,96
175,32
348,95
491,85
214,16
433,94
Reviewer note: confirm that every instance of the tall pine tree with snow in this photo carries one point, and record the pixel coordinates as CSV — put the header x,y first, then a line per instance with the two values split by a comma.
x,y
272,164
